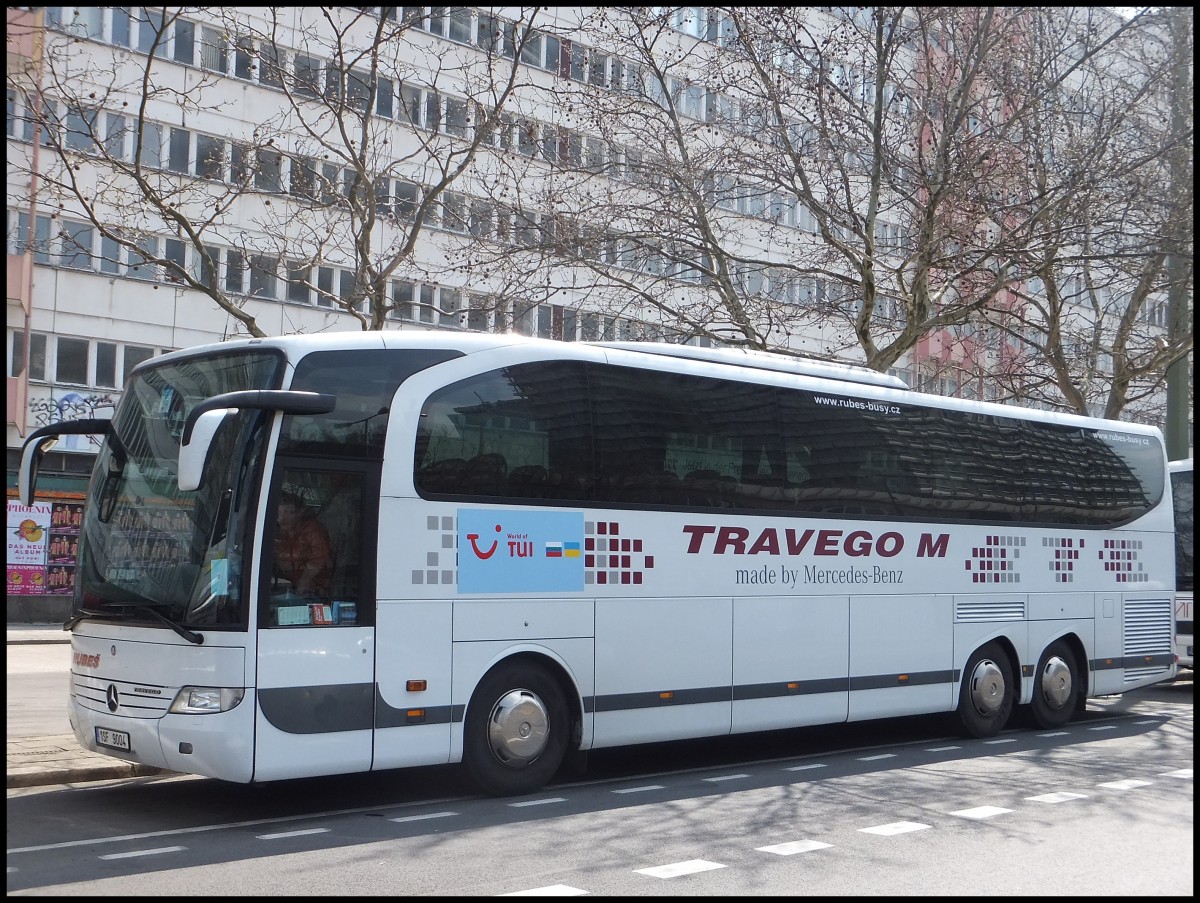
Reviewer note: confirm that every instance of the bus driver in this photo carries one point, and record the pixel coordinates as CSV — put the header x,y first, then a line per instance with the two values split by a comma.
x,y
303,552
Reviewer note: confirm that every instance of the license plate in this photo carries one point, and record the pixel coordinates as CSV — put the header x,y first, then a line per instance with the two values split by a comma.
x,y
112,739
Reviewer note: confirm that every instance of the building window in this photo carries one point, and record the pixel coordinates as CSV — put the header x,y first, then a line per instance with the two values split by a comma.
x,y
384,101
77,245
235,271
149,149
149,31
106,365
210,157
299,275
71,361
37,354
179,151
263,270
80,130
402,293
268,174
325,291
141,260
134,355
358,90
308,75
176,253
185,42
110,255
427,307
213,52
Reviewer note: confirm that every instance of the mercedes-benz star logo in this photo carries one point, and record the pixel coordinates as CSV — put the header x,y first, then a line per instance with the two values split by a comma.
x,y
112,697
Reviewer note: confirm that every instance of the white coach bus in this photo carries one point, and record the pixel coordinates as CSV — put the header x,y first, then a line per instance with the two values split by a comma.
x,y
540,547
1185,560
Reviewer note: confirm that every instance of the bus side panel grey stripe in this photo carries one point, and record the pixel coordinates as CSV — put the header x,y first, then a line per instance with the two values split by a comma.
x,y
319,710
911,679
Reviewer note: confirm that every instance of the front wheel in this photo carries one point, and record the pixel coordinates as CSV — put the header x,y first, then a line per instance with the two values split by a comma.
x,y
985,699
1056,687
515,734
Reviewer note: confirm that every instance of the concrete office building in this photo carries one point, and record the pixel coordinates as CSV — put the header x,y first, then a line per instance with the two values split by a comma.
x,y
225,172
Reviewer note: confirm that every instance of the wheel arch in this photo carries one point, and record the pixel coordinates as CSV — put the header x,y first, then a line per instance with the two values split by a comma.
x,y
1007,646
1083,671
561,674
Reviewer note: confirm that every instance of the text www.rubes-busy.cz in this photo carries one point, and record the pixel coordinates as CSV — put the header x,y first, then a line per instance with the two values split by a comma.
x,y
858,405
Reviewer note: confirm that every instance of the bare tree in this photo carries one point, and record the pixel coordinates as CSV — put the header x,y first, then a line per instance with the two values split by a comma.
x,y
847,184
319,175
1087,328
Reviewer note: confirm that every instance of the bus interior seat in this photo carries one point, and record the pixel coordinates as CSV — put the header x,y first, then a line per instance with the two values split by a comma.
x,y
486,474
444,475
528,480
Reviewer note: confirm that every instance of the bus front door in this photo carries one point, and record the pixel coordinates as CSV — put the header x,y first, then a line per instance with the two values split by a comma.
x,y
316,637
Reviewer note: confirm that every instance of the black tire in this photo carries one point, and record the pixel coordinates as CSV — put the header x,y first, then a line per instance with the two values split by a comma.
x,y
516,731
1056,687
985,698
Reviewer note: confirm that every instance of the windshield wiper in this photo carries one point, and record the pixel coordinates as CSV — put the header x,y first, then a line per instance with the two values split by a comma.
x,y
190,635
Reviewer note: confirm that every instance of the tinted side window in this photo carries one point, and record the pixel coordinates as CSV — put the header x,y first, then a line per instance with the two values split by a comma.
x,y
673,439
519,433
364,383
1185,531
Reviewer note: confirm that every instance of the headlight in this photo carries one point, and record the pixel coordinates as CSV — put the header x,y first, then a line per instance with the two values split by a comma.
x,y
206,700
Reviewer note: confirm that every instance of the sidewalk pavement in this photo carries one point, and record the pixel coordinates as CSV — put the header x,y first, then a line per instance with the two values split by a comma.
x,y
59,759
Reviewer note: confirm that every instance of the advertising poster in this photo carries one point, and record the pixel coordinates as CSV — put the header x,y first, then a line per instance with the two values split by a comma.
x,y
65,520
28,547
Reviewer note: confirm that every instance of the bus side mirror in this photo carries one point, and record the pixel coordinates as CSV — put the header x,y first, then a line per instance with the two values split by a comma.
x,y
193,451
31,459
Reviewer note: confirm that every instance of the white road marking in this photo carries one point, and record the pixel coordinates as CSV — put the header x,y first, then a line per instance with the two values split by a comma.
x,y
981,812
896,827
543,802
639,789
1060,797
675,869
793,847
283,834
1128,784
404,818
134,853
554,890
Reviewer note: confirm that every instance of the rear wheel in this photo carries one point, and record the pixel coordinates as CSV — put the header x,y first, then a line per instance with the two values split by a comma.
x,y
1056,687
516,730
985,699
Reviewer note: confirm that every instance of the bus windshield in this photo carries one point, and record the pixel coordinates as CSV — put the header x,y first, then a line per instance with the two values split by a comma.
x,y
147,549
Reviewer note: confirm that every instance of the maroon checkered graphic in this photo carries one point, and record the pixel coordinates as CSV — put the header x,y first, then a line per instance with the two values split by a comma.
x,y
1066,553
996,560
1120,558
610,559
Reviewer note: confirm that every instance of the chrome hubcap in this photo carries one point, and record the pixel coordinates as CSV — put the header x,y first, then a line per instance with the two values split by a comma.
x,y
1056,682
518,728
987,687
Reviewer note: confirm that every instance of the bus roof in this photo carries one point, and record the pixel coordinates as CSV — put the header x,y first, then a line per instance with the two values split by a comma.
x,y
748,362
765,360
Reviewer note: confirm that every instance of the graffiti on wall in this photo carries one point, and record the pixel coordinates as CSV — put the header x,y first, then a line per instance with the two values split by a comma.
x,y
58,407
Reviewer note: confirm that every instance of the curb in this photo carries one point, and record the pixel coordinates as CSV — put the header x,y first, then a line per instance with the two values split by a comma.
x,y
81,774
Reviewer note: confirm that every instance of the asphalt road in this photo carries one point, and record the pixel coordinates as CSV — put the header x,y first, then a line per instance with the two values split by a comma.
x,y
1103,807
